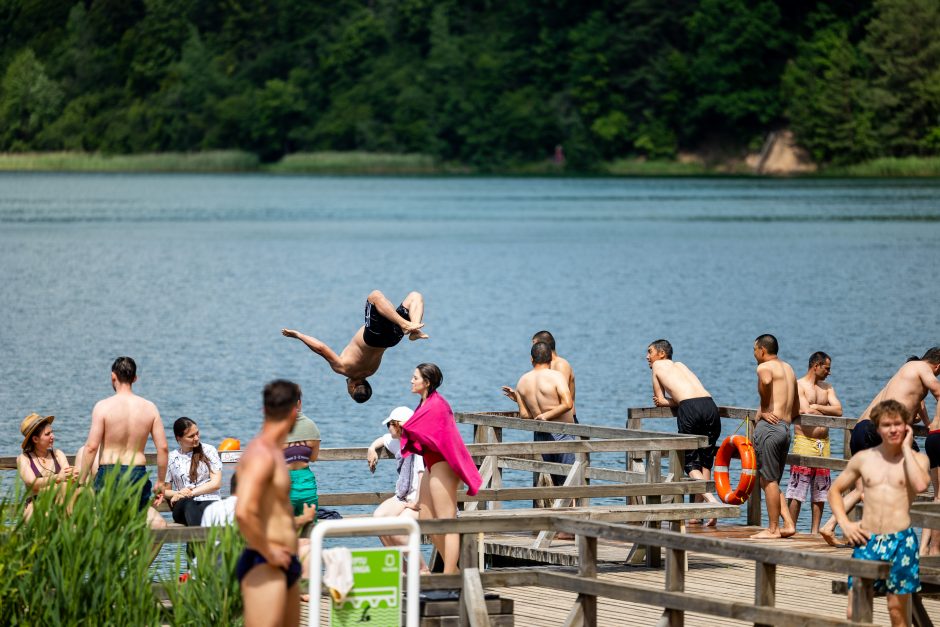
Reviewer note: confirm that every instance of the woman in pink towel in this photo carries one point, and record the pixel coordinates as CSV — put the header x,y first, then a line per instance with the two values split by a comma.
x,y
432,433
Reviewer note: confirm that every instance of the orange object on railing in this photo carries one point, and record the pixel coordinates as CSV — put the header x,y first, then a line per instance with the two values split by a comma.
x,y
735,446
230,444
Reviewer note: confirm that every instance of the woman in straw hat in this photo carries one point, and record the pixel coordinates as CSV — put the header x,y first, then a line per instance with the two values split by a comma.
x,y
40,465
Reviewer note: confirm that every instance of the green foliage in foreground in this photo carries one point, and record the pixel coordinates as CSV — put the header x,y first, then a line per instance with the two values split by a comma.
x,y
211,595
88,563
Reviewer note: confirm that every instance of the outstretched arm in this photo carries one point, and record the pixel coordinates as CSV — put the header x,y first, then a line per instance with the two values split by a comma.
x,y
319,348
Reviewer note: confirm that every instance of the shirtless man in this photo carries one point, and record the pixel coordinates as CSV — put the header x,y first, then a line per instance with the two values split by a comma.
x,y
543,394
120,426
384,327
779,405
909,387
674,385
892,475
268,568
819,398
559,364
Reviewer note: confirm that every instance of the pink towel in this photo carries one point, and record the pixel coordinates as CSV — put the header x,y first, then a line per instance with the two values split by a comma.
x,y
432,430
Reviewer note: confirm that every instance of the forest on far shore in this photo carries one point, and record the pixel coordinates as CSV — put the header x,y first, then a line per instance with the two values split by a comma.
x,y
478,82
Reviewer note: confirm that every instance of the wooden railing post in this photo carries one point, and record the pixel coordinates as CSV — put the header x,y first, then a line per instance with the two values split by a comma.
x,y
675,579
654,558
497,481
469,551
587,567
753,505
633,460
765,586
863,599
472,601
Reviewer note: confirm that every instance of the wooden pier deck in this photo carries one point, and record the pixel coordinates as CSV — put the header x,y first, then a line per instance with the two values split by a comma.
x,y
719,576
727,577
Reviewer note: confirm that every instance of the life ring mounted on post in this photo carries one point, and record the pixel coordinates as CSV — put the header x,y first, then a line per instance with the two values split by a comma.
x,y
735,446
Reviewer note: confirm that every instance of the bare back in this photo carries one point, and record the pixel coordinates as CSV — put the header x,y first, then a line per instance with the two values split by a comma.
x,y
121,424
908,386
676,380
778,391
541,390
264,490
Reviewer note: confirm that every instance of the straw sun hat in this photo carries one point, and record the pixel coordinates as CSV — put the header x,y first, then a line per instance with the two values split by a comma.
x,y
30,424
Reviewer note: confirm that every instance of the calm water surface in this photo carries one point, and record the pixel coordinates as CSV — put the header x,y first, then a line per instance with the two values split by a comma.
x,y
194,276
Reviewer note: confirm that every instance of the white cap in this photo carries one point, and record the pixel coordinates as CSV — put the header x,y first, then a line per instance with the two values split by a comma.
x,y
399,415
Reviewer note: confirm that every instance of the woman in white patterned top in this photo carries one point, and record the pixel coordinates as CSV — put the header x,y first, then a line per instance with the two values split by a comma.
x,y
193,475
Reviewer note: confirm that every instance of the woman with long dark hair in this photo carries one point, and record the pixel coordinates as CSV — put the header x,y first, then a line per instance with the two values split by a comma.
x,y
193,474
432,433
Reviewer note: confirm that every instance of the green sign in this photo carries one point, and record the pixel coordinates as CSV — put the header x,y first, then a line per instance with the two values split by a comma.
x,y
375,598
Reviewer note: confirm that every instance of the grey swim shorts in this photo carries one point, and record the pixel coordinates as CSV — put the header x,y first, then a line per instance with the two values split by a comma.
x,y
771,442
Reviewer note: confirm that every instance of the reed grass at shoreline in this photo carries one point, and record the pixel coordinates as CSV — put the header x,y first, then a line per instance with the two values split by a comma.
x,y
209,161
391,164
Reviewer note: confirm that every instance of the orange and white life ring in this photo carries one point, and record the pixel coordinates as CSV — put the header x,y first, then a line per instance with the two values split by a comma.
x,y
735,446
230,444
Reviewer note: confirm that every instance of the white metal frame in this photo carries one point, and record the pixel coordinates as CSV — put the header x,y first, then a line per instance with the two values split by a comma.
x,y
367,526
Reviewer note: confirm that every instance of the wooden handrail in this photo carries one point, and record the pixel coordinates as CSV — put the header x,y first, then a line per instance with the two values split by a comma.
x,y
700,544
739,413
511,420
661,442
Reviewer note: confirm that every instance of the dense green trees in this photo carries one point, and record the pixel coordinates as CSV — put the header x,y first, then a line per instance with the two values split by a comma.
x,y
475,81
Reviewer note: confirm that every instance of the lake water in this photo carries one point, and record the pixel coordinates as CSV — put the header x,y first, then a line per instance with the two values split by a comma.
x,y
194,276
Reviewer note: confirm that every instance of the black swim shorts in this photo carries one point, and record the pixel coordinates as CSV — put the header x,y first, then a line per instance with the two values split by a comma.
x,y
932,448
865,436
136,474
699,416
380,332
251,558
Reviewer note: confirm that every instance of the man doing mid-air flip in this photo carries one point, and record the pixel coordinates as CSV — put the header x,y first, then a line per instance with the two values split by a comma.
x,y
384,327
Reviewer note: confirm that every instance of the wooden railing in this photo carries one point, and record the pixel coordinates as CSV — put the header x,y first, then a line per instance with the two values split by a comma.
x,y
636,415
673,599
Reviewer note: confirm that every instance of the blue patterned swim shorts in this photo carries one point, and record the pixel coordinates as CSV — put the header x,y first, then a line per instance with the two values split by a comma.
x,y
901,549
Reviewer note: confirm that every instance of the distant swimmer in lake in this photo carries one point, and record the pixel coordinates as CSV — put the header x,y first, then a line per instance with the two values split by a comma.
x,y
674,385
384,327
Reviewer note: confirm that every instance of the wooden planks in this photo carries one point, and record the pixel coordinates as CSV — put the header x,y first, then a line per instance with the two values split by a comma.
x,y
721,577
